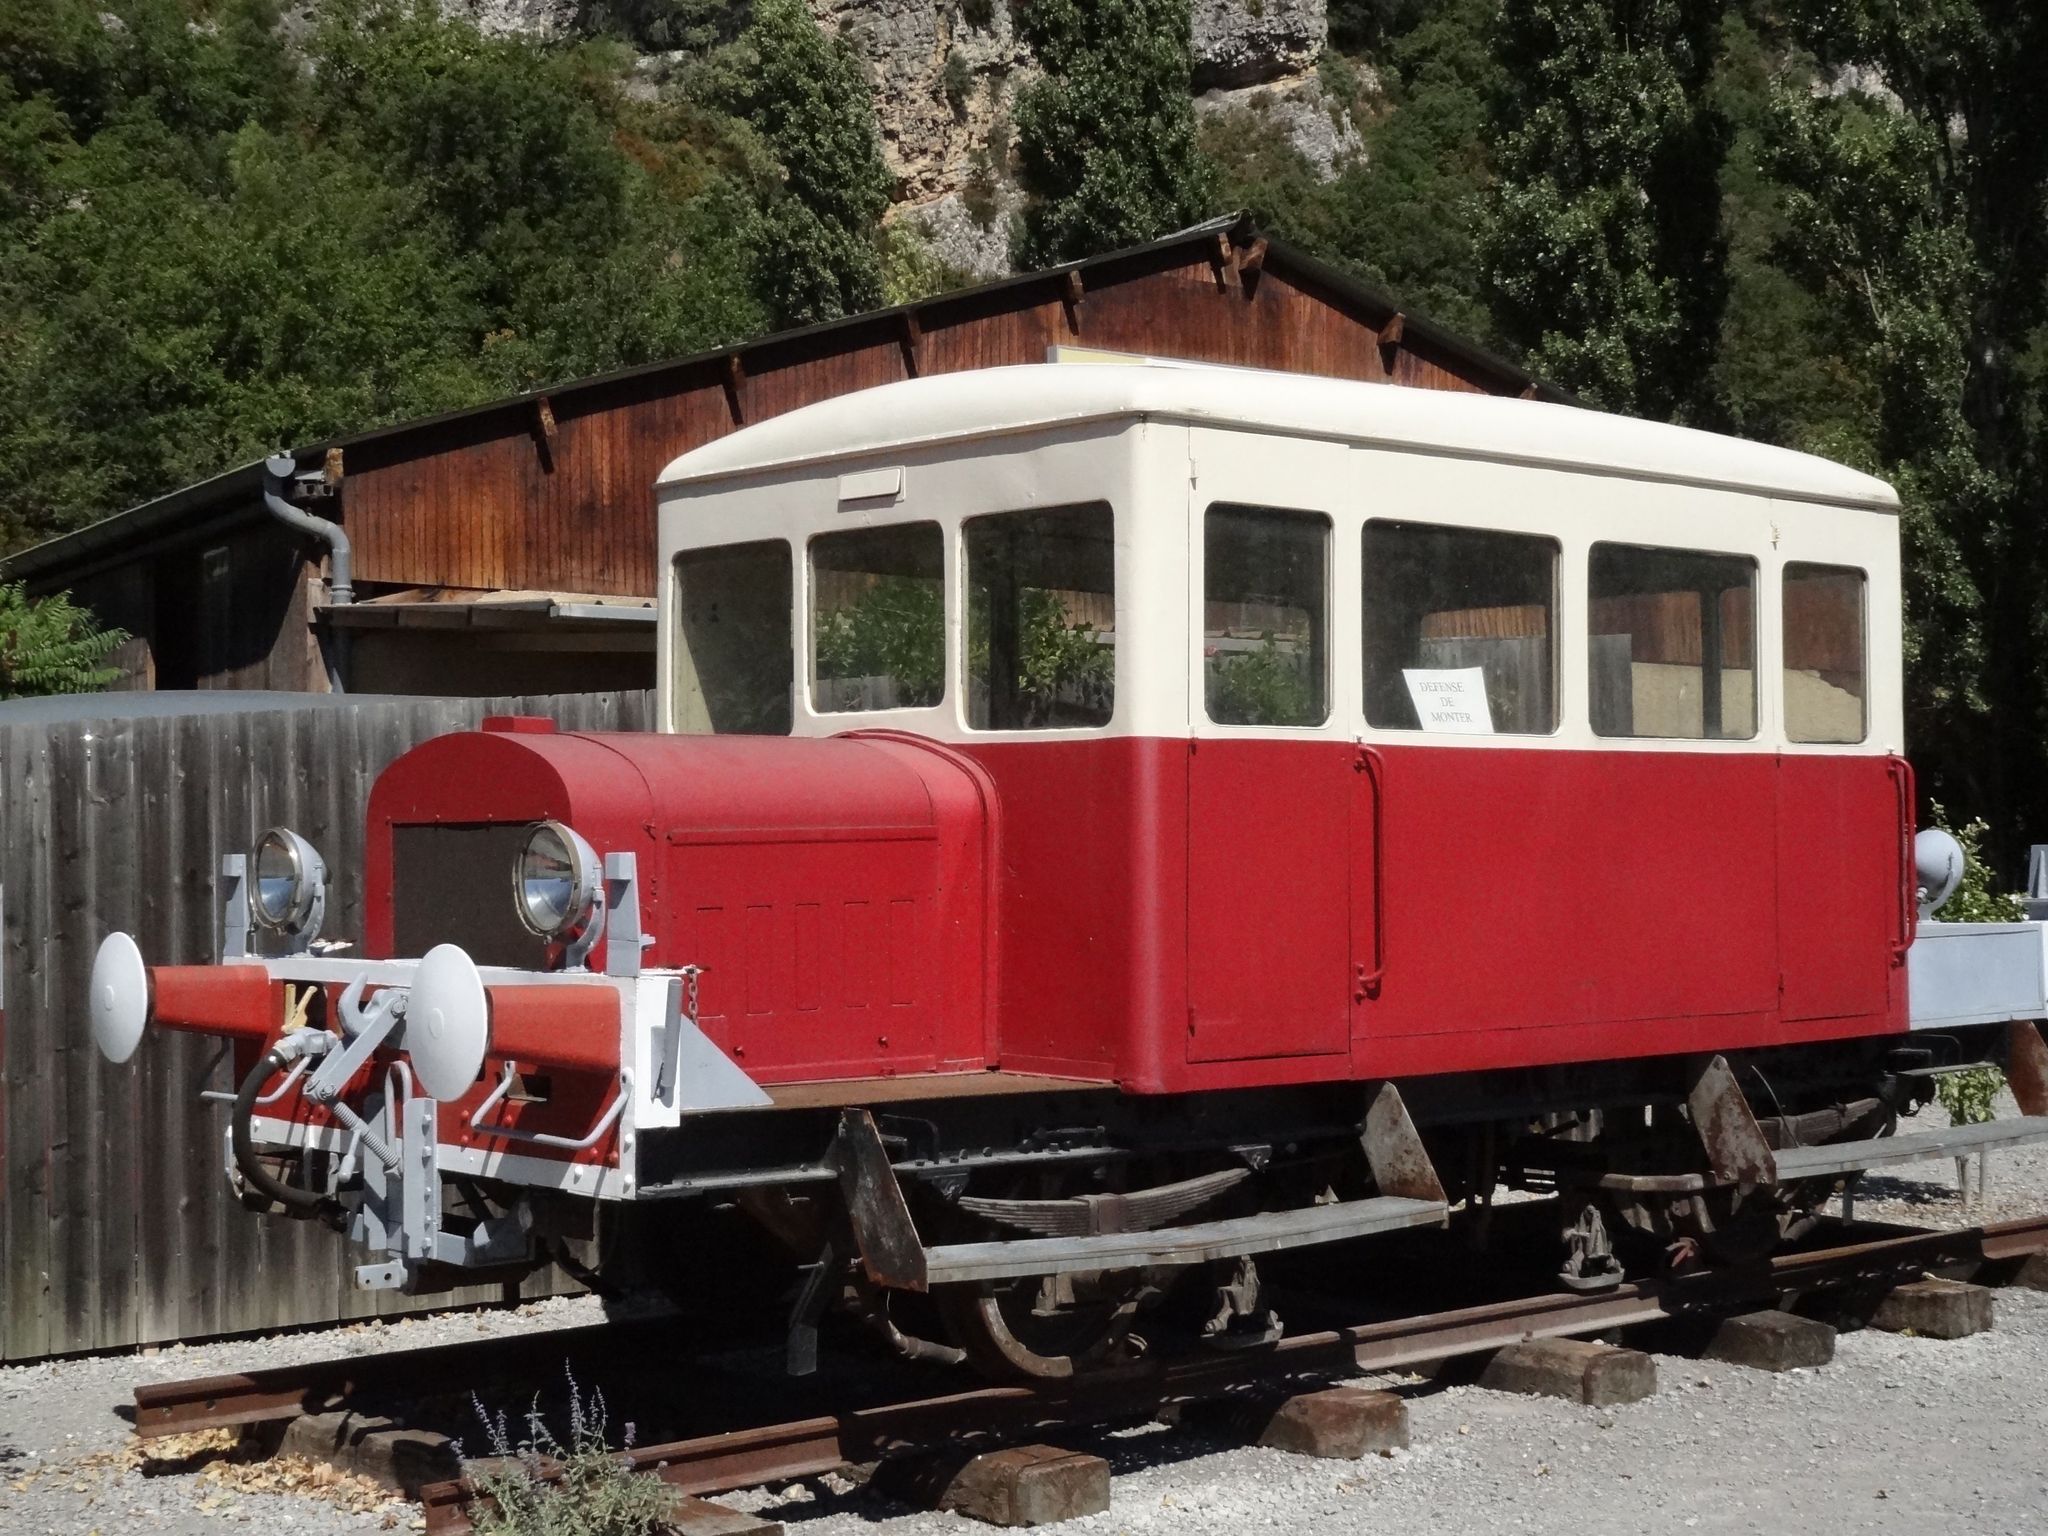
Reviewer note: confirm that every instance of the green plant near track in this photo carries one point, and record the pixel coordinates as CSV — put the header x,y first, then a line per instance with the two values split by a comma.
x,y
591,1492
1968,1096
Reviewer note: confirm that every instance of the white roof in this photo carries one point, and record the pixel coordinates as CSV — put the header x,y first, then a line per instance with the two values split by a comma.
x,y
989,401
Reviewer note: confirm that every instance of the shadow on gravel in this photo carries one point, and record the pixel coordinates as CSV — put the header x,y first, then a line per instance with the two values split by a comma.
x,y
1127,1449
1874,1187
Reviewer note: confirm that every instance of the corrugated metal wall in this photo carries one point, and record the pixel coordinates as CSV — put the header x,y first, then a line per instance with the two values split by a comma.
x,y
116,1226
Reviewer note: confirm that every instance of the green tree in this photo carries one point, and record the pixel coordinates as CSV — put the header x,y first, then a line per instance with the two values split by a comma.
x,y
895,631
1604,250
1407,212
1411,212
807,96
51,646
1106,136
1917,201
214,239
1779,374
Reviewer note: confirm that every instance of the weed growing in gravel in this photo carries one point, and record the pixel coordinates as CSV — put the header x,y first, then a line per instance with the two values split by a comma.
x,y
591,1491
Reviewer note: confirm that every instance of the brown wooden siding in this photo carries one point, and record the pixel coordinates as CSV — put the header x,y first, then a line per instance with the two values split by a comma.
x,y
230,610
490,502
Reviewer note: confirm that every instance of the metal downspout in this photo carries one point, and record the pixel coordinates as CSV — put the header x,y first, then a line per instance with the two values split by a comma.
x,y
278,470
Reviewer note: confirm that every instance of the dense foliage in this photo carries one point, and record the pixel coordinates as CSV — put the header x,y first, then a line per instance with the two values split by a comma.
x,y
1822,223
1602,254
51,646
1106,137
220,230
806,96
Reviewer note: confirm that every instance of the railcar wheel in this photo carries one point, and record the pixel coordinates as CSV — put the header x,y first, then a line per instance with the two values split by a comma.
x,y
1737,1229
1046,1329
1717,1226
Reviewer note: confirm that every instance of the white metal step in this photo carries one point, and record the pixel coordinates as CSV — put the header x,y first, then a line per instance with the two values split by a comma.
x,y
1951,1141
1195,1244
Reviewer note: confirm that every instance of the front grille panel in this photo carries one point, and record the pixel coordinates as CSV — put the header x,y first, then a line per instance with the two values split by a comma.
x,y
453,885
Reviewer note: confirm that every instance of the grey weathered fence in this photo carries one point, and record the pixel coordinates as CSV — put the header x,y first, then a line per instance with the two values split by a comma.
x,y
118,1228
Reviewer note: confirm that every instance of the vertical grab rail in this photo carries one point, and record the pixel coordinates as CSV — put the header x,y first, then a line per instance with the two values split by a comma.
x,y
1372,765
1903,788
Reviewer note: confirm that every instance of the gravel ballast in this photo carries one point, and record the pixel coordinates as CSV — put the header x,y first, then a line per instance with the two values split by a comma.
x,y
1899,1434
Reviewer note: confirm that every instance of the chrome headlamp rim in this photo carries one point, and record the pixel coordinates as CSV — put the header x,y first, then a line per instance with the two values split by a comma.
x,y
586,883
308,876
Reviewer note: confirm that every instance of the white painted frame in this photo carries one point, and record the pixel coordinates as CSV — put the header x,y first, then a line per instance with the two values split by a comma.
x,y
1160,476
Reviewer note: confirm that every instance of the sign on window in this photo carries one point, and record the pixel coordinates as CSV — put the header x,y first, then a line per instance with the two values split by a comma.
x,y
1450,699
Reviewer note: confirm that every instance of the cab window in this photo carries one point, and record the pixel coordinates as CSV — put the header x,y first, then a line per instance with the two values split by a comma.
x,y
733,628
878,618
1460,629
1825,697
1672,643
1041,619
1265,616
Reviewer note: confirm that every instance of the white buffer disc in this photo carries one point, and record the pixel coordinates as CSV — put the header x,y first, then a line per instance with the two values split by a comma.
x,y
447,1022
119,1002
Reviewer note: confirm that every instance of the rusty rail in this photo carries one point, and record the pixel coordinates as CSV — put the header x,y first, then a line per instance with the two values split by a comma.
x,y
285,1392
809,1447
1865,1253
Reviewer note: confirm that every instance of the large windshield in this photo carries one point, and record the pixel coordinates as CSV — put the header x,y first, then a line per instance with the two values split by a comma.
x,y
733,656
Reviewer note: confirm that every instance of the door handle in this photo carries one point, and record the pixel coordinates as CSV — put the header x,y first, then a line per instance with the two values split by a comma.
x,y
1901,773
1369,977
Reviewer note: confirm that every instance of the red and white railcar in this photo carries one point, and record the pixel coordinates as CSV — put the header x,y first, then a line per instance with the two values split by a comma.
x,y
1111,822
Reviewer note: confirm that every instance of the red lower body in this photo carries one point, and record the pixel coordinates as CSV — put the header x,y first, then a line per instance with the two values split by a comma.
x,y
1230,913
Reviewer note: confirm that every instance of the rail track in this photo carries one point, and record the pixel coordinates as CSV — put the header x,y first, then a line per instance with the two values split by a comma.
x,y
1860,1255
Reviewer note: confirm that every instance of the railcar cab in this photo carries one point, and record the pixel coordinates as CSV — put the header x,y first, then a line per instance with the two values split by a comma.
x,y
1338,729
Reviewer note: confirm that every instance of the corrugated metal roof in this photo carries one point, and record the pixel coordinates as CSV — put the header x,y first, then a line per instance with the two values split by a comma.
x,y
232,494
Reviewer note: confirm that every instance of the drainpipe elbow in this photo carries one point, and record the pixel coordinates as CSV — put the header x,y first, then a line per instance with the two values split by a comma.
x,y
277,473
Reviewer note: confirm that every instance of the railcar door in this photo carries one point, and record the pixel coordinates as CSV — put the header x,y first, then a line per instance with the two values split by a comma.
x,y
1844,809
1588,872
1269,792
1453,811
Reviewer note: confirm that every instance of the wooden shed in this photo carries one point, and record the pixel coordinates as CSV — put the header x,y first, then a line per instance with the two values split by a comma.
x,y
509,548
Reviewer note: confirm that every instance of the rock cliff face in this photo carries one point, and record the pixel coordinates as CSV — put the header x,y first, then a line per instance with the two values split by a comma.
x,y
946,71
544,19
1254,42
945,74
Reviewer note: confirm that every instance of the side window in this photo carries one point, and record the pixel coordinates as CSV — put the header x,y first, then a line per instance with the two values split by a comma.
x,y
1460,629
878,618
1041,619
1672,643
1825,699
1265,616
733,662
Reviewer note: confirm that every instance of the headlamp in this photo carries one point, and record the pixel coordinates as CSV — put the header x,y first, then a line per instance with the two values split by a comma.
x,y
557,881
290,895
